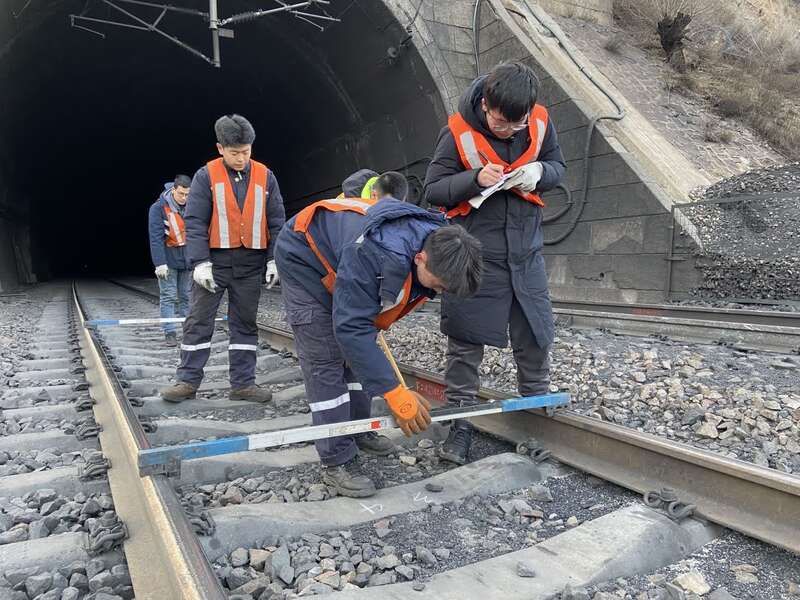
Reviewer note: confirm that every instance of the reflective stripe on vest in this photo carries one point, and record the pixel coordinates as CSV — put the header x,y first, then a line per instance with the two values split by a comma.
x,y
175,230
399,309
302,224
473,146
231,227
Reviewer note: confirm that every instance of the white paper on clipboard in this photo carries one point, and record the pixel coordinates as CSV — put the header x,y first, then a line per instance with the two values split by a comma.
x,y
506,181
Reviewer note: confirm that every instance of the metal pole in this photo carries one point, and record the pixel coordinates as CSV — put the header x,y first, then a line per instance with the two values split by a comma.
x,y
670,256
150,27
187,11
106,22
213,24
312,15
264,12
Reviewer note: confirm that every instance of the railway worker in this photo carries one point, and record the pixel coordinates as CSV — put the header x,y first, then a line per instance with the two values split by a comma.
x,y
359,183
498,128
366,183
167,249
350,267
233,217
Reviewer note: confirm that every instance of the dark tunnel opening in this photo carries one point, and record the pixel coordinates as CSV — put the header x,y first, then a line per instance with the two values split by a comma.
x,y
91,128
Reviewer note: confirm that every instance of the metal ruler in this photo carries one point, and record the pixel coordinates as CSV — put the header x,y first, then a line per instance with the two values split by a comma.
x,y
167,459
107,322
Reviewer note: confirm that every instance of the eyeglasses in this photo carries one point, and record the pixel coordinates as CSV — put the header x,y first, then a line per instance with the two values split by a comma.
x,y
500,124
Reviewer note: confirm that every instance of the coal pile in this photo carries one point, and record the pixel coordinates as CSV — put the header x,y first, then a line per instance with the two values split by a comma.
x,y
779,178
751,247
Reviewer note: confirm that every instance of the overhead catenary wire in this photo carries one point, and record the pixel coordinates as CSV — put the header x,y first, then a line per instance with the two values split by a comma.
x,y
476,36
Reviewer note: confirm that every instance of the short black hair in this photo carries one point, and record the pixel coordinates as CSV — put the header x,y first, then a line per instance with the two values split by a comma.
x,y
511,88
234,130
455,257
182,181
392,184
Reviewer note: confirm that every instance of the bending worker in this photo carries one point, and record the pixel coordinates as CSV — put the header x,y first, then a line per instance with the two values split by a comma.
x,y
350,267
167,249
233,216
498,129
366,183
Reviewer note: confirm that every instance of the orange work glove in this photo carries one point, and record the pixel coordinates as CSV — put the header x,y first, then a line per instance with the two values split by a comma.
x,y
410,410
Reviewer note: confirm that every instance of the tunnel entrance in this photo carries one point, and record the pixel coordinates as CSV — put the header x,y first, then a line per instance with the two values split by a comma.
x,y
91,128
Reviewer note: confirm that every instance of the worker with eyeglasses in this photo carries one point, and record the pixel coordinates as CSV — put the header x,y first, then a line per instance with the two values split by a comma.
x,y
499,130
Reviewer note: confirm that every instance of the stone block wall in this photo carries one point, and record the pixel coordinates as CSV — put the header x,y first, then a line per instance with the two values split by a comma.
x,y
598,11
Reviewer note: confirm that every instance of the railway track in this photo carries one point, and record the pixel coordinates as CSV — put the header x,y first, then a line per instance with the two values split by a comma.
x,y
745,329
763,330
503,526
60,534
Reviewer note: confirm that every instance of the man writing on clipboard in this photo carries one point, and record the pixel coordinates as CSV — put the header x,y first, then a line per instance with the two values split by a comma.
x,y
498,132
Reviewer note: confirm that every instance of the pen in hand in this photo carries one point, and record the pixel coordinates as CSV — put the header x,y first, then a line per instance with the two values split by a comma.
x,y
489,160
491,173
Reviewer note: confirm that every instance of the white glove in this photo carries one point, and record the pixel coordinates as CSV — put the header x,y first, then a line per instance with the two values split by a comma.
x,y
526,177
204,276
271,277
162,271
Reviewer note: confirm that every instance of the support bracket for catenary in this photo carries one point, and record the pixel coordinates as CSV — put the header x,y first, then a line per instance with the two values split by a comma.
x,y
215,24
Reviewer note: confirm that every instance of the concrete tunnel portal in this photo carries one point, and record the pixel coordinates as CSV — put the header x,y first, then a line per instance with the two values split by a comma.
x,y
91,127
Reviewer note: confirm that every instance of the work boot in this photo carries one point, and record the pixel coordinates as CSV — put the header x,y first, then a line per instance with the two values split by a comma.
x,y
372,443
251,393
170,339
456,447
179,392
348,480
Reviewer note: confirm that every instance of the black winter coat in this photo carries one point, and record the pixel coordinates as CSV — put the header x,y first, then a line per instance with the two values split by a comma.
x,y
509,228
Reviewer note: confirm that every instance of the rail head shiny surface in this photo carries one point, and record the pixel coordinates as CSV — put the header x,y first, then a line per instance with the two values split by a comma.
x,y
164,556
703,313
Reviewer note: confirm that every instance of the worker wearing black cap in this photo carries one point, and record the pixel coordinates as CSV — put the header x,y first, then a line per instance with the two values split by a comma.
x,y
367,184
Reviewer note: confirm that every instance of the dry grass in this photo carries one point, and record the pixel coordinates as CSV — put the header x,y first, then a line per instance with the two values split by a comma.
x,y
687,82
714,132
747,59
614,43
767,100
652,11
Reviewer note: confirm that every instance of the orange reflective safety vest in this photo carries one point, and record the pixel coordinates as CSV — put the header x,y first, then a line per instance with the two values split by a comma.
x,y
174,228
476,151
403,305
231,227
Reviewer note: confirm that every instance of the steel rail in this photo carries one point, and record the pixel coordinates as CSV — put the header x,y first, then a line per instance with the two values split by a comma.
x,y
770,318
164,557
750,330
728,315
759,502
742,336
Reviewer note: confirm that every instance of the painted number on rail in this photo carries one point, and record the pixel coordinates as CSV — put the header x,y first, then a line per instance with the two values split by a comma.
x,y
431,390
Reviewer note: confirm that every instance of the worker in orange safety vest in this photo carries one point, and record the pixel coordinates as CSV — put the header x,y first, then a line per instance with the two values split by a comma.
x,y
234,213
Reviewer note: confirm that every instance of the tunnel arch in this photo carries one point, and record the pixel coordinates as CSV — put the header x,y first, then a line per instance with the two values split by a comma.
x,y
91,128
